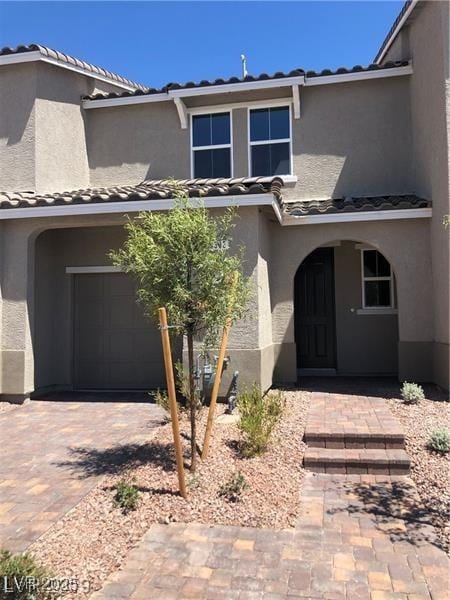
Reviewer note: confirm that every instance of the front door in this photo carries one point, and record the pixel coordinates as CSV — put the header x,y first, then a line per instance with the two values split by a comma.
x,y
314,312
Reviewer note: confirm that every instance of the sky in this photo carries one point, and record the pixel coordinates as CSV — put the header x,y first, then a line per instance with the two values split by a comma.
x,y
160,42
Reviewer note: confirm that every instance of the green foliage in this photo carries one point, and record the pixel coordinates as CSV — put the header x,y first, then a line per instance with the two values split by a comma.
x,y
412,393
259,414
14,569
162,399
446,220
440,440
232,489
181,260
127,494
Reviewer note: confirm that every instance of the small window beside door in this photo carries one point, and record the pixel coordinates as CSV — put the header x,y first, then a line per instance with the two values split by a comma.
x,y
211,145
270,141
377,280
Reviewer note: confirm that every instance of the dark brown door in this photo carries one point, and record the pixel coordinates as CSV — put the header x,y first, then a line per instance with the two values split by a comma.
x,y
116,347
315,331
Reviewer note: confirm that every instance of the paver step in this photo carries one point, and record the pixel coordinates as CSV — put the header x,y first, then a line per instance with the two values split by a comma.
x,y
327,438
363,460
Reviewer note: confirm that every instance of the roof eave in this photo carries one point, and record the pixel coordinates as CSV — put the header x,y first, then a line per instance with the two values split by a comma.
x,y
392,35
36,56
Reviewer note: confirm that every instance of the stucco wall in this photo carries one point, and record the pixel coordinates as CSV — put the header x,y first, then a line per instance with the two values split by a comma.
x,y
128,144
18,86
406,245
351,139
366,343
42,130
429,34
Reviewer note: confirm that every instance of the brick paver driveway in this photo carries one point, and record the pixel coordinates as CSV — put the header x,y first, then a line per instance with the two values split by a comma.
x,y
52,454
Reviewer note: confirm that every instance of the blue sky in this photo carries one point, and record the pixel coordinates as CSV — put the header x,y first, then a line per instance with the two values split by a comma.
x,y
158,42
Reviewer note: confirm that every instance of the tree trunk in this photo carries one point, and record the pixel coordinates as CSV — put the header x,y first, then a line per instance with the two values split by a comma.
x,y
192,400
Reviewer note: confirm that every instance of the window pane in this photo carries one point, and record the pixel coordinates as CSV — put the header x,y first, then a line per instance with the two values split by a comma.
x,y
221,162
260,160
220,128
279,159
201,130
212,163
270,159
383,267
378,293
370,263
259,125
203,163
279,123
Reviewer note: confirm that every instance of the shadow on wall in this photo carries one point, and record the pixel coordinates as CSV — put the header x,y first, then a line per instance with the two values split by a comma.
x,y
354,139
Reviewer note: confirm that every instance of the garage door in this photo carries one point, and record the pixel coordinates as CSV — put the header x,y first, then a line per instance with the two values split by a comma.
x,y
116,347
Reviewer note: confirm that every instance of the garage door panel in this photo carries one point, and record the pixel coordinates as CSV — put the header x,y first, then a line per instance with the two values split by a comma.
x,y
89,287
92,314
119,285
91,374
90,344
119,345
119,312
116,346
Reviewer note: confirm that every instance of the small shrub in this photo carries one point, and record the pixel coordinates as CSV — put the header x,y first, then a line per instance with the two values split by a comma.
x,y
14,571
233,488
258,416
440,441
412,393
194,481
162,399
127,494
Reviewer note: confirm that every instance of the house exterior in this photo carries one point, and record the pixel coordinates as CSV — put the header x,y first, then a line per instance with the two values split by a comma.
x,y
341,180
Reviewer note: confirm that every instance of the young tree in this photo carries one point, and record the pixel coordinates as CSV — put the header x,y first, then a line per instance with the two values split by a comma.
x,y
181,260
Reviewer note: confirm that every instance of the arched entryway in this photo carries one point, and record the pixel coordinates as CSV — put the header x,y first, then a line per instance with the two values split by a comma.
x,y
345,312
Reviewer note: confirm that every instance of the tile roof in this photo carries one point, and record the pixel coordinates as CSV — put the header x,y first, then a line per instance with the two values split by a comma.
x,y
70,60
350,204
250,78
395,24
160,189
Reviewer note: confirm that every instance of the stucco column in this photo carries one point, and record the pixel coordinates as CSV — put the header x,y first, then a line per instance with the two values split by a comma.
x,y
17,275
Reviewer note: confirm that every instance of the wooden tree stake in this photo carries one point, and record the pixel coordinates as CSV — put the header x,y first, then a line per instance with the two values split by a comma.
x,y
172,399
219,368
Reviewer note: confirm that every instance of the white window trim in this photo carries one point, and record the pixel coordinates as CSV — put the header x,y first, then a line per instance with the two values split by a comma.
x,y
212,147
288,105
376,309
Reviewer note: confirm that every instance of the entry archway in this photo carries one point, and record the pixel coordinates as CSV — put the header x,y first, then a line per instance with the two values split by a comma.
x,y
345,311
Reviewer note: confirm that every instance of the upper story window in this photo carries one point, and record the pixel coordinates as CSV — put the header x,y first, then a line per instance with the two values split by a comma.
x,y
211,145
270,141
378,289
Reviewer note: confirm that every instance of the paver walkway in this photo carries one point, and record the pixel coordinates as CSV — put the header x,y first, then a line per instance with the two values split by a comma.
x,y
52,454
354,434
359,537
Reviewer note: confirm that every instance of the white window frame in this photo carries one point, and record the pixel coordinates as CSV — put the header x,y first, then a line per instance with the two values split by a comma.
x,y
364,278
211,111
287,105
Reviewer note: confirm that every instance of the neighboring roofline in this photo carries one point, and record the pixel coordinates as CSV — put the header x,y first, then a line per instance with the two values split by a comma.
x,y
35,53
318,79
370,215
126,207
397,26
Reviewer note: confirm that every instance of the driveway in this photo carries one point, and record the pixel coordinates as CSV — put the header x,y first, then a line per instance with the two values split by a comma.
x,y
53,453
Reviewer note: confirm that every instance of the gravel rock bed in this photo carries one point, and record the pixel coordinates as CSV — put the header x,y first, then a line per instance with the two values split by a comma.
x,y
92,540
429,470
